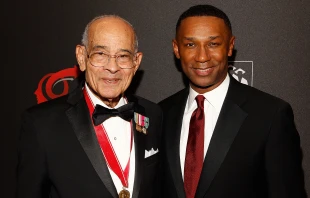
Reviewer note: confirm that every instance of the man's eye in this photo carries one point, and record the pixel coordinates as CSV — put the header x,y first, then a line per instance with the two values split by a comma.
x,y
99,53
123,55
212,44
189,44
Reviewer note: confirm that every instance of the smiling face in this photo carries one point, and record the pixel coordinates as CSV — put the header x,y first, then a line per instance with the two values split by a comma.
x,y
203,44
113,36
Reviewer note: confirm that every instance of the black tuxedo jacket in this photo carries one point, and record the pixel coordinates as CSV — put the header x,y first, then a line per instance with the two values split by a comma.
x,y
254,151
59,155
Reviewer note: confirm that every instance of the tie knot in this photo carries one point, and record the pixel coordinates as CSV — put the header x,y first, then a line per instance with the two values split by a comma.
x,y
200,101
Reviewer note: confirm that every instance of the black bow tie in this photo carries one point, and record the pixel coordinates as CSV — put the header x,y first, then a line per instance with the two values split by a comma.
x,y
101,113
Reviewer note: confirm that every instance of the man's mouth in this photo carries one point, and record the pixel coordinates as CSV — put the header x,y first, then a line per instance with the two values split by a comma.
x,y
203,71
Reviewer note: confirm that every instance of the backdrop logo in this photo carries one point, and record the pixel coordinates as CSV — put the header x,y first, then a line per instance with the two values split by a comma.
x,y
54,85
242,71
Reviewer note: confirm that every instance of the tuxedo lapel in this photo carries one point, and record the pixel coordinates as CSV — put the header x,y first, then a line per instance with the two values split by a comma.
x,y
81,122
229,122
139,163
139,139
172,141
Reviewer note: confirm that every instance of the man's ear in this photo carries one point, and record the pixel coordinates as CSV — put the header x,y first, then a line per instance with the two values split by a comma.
x,y
80,57
175,48
231,46
138,60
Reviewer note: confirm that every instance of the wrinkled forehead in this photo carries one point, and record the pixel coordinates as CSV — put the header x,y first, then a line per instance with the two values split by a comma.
x,y
113,33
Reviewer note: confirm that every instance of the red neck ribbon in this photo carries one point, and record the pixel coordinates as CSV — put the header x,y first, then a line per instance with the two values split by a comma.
x,y
107,148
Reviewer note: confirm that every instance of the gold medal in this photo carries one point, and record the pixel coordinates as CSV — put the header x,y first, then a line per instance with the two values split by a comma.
x,y
124,194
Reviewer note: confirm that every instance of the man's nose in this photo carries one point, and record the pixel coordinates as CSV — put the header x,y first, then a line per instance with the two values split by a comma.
x,y
112,65
202,54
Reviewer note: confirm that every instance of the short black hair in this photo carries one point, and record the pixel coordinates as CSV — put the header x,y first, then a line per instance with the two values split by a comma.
x,y
204,10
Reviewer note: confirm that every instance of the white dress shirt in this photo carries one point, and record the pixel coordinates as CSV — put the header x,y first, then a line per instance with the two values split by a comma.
x,y
212,106
119,134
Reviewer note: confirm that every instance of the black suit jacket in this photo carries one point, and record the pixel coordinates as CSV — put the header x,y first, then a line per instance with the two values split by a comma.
x,y
59,155
254,151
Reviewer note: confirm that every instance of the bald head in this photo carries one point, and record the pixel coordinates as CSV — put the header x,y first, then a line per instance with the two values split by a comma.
x,y
109,57
109,23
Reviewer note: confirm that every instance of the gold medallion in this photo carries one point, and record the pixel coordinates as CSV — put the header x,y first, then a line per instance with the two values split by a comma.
x,y
124,194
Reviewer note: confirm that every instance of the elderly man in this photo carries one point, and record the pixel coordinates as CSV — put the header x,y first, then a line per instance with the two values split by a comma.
x,y
96,141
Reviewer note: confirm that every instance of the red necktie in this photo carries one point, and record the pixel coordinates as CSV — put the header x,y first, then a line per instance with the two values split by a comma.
x,y
195,149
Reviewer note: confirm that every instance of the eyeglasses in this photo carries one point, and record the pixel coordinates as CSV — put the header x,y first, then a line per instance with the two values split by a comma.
x,y
124,60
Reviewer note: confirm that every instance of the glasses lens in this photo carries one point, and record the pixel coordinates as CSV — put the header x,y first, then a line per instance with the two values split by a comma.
x,y
99,59
124,60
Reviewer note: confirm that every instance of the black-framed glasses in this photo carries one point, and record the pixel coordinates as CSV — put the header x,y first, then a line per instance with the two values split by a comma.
x,y
124,60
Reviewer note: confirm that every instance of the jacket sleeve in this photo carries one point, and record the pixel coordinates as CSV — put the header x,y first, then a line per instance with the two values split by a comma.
x,y
32,178
283,157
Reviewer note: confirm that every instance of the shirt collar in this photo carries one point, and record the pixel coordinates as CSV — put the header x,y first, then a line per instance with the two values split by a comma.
x,y
215,97
96,100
